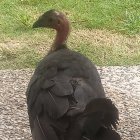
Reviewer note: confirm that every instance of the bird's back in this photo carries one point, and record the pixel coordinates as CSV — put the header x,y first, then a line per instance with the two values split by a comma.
x,y
61,80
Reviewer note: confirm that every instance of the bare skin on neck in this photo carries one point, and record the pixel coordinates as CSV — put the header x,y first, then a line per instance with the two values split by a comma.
x,y
61,35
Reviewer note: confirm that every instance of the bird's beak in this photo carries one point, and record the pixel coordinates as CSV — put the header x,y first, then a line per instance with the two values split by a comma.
x,y
40,23
36,25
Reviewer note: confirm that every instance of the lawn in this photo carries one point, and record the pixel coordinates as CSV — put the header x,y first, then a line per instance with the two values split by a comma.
x,y
91,21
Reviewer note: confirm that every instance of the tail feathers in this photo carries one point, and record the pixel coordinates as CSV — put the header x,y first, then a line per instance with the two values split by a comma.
x,y
101,120
107,109
107,134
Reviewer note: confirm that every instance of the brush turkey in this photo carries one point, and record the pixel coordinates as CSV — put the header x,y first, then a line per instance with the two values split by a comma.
x,y
61,87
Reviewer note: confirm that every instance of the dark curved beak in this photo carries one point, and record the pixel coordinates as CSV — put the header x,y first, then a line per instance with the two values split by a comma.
x,y
36,25
40,23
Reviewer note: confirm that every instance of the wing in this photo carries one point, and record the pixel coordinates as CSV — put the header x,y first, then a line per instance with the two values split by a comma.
x,y
42,129
49,96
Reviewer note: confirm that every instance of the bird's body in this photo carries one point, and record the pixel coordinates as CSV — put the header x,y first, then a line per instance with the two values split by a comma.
x,y
63,73
62,85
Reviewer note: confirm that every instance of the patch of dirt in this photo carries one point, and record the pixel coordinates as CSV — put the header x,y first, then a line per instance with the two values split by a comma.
x,y
106,38
10,44
95,37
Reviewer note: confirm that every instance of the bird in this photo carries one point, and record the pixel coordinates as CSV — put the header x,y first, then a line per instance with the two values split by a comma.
x,y
62,85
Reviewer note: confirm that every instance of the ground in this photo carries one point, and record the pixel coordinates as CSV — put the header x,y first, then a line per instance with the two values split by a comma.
x,y
122,85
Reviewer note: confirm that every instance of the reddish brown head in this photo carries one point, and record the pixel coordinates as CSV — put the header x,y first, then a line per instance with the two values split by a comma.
x,y
55,20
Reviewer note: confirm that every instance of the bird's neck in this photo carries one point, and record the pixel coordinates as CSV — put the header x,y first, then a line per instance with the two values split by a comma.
x,y
61,36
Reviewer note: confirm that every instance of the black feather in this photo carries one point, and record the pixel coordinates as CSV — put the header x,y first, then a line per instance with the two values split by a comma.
x,y
100,119
107,134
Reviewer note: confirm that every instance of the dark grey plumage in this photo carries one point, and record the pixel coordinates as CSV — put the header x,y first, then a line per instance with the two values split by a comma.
x,y
63,83
100,120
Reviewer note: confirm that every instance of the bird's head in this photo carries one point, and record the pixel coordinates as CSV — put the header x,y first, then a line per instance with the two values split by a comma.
x,y
51,19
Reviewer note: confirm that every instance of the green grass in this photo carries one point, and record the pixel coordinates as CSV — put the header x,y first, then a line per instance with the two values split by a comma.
x,y
123,16
19,58
28,57
109,56
17,17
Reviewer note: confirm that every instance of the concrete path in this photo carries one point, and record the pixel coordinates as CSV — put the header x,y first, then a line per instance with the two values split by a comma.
x,y
122,85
